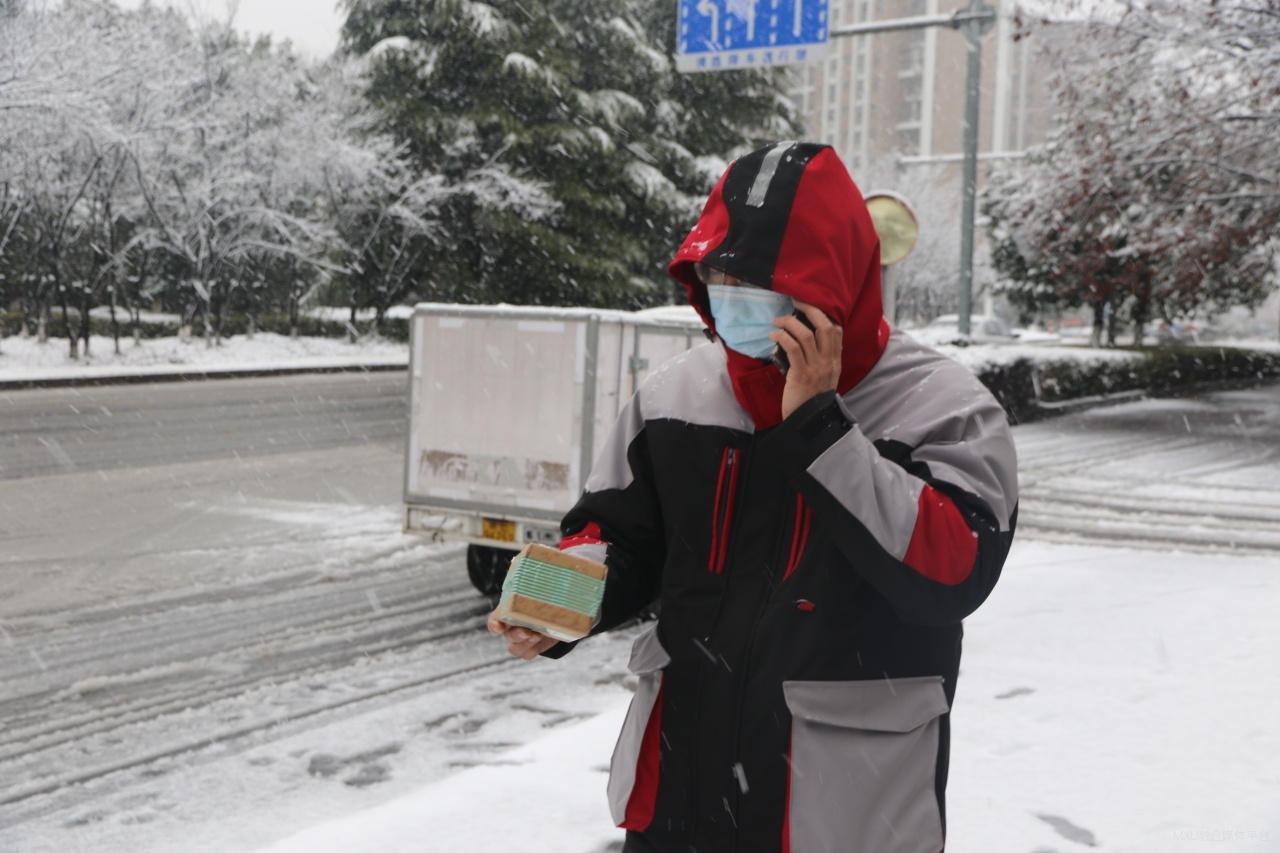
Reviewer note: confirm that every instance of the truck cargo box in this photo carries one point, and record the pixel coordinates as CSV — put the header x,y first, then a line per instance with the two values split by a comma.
x,y
509,407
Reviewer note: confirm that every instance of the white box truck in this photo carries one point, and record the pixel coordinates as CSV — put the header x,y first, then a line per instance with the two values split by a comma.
x,y
509,407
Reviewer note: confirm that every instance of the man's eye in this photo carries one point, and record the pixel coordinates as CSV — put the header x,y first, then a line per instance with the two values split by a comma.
x,y
707,275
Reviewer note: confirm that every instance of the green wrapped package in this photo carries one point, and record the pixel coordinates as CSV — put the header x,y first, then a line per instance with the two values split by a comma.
x,y
552,592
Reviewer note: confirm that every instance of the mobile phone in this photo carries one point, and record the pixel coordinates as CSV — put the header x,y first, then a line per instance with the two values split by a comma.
x,y
779,356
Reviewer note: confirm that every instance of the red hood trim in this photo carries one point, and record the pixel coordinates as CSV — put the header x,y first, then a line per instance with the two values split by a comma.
x,y
825,252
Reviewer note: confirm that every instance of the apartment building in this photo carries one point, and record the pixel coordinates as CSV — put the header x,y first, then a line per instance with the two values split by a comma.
x,y
892,104
896,99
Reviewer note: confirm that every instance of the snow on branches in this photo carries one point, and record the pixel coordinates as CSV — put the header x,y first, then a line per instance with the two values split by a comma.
x,y
146,159
1159,194
576,155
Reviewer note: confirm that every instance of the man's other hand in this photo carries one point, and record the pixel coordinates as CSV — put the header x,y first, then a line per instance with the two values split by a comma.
x,y
521,642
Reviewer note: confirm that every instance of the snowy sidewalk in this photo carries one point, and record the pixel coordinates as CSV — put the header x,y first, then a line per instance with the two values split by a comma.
x,y
546,797
1110,699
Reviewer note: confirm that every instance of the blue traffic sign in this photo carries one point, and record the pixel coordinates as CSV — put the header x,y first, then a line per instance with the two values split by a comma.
x,y
724,35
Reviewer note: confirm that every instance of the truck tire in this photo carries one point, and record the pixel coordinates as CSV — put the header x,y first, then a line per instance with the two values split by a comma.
x,y
487,567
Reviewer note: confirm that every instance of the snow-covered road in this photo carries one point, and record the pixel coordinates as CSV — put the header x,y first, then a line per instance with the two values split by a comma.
x,y
1197,474
182,640
214,655
87,428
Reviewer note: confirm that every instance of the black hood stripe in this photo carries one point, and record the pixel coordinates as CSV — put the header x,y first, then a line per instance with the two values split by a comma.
x,y
770,176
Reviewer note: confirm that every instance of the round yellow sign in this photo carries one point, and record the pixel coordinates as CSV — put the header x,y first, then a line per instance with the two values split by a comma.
x,y
896,224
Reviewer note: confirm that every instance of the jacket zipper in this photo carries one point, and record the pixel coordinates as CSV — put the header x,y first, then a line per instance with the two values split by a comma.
x,y
722,514
803,519
799,535
721,522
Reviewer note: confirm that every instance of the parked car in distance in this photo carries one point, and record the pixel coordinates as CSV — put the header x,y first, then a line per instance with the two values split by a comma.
x,y
983,329
1178,333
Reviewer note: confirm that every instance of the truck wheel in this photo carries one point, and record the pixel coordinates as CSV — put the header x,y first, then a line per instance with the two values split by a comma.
x,y
487,567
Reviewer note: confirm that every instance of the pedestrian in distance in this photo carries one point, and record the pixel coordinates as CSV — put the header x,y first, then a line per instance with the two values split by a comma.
x,y
816,502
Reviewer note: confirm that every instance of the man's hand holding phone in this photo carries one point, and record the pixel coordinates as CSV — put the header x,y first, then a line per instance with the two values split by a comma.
x,y
811,345
779,356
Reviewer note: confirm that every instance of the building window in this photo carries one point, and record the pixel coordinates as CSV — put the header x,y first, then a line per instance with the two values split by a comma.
x,y
908,141
909,99
911,57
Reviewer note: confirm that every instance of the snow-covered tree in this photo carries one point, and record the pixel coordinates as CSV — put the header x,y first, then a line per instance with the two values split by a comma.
x,y
924,284
79,91
574,155
1160,192
219,180
385,214
144,157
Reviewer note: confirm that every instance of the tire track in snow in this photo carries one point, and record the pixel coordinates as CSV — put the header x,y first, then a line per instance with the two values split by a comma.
x,y
217,670
1190,475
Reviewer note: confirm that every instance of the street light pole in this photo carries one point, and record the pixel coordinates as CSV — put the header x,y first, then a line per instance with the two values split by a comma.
x,y
974,29
976,20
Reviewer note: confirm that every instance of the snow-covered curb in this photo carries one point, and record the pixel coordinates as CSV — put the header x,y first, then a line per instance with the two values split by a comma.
x,y
26,363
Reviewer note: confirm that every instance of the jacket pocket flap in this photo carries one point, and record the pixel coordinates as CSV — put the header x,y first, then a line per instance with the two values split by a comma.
x,y
883,705
647,653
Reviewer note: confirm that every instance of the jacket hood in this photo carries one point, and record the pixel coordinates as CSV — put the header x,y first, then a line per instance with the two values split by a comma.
x,y
789,218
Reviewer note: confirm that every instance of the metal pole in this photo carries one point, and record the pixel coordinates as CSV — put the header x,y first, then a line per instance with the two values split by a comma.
x,y
972,90
590,378
976,20
955,20
889,295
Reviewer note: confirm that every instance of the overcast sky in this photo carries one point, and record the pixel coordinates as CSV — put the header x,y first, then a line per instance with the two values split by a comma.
x,y
312,25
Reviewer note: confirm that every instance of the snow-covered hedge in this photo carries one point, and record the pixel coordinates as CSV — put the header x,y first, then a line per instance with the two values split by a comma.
x,y
1030,388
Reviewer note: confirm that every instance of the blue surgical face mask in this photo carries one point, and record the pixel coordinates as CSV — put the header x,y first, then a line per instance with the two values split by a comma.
x,y
744,317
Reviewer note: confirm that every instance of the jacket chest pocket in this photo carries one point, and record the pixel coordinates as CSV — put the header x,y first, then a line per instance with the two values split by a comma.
x,y
634,769
863,766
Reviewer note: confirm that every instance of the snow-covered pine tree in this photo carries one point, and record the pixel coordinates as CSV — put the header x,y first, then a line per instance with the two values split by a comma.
x,y
576,155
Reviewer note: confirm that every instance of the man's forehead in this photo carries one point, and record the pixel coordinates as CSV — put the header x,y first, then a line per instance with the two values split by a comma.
x,y
711,275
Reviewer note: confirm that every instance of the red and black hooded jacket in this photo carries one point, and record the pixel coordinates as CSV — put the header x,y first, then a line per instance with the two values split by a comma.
x,y
812,572
813,240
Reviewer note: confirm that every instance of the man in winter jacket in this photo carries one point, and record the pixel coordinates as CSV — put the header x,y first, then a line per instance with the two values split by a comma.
x,y
814,538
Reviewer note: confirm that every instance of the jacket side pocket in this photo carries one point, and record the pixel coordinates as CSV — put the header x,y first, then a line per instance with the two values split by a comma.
x,y
863,765
633,771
